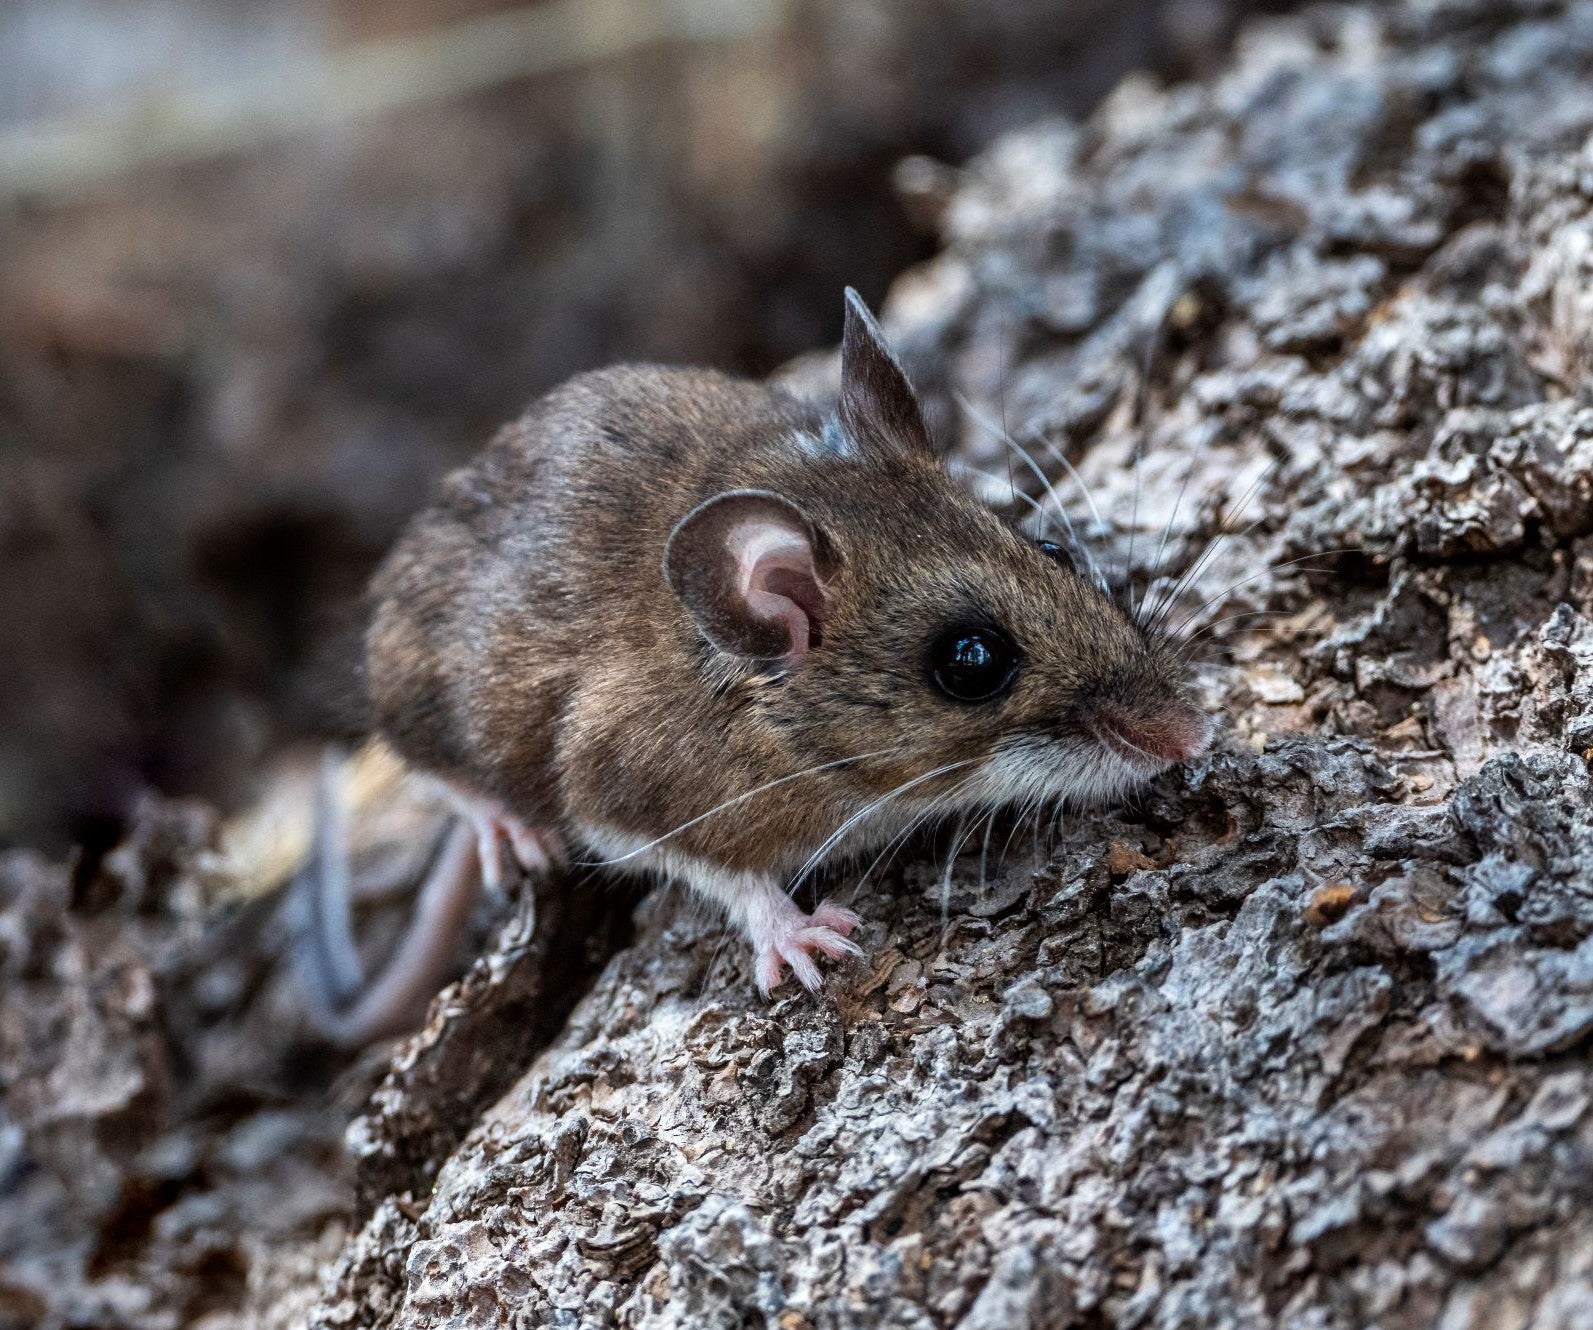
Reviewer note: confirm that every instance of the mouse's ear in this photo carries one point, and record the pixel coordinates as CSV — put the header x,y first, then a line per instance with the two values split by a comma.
x,y
878,405
751,569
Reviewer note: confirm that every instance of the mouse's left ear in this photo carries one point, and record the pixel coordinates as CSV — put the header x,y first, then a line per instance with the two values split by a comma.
x,y
878,405
751,569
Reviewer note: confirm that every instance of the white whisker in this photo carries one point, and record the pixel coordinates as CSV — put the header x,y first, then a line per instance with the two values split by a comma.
x,y
1223,531
900,839
1076,547
1189,642
1072,471
1227,591
738,799
839,834
1037,507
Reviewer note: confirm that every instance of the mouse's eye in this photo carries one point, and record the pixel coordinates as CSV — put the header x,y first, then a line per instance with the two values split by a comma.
x,y
1056,553
973,664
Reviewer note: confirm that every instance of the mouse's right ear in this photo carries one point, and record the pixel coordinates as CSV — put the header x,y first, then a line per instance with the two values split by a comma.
x,y
752,571
879,408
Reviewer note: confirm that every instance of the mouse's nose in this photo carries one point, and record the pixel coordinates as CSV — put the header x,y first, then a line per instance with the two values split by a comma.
x,y
1170,732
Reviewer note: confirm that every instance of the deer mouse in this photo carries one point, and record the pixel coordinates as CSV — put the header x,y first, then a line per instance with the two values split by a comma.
x,y
701,627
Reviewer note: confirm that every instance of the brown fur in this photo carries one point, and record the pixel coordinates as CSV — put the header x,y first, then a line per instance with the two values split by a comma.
x,y
525,644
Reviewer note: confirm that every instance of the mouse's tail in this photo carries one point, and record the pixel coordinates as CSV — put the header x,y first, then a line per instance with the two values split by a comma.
x,y
328,957
345,1006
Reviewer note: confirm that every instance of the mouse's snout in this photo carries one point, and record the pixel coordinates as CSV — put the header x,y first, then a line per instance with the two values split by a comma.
x,y
1166,732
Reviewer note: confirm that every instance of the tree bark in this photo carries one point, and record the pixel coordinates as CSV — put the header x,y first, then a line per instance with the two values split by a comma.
x,y
1301,1038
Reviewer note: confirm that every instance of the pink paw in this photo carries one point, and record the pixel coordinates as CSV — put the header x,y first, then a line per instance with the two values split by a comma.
x,y
797,939
533,848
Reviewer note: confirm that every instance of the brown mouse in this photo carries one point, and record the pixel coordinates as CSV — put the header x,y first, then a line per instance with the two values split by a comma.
x,y
702,627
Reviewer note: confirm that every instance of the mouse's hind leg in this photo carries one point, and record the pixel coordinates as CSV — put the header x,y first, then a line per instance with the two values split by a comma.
x,y
496,829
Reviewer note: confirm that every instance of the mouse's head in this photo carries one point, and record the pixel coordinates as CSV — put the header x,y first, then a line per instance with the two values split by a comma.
x,y
913,637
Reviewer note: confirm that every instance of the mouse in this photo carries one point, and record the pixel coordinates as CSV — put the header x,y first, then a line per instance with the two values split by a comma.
x,y
703,628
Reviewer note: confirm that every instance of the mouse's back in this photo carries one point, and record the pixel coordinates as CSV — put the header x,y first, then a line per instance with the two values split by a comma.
x,y
544,552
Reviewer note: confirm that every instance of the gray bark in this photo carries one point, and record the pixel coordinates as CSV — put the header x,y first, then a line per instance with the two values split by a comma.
x,y
1302,1039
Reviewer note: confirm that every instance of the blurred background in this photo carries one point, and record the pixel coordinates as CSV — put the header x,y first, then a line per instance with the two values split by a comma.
x,y
269,267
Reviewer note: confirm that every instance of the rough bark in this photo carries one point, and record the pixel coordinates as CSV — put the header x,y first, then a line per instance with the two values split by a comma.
x,y
1302,1038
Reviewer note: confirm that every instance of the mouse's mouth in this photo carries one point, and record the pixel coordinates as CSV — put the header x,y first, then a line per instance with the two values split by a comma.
x,y
1123,748
1104,753
1148,742
1073,772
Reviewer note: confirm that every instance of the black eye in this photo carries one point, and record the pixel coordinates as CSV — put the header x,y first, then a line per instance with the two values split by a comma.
x,y
1055,552
973,664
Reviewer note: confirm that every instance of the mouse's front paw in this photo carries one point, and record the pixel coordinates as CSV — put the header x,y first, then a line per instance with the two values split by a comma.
x,y
797,939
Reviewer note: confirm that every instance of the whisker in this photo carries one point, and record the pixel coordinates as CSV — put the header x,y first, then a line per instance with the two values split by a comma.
x,y
1001,385
1017,448
1141,400
1167,530
1223,531
960,838
901,838
1228,618
1288,563
1076,546
839,834
899,841
1133,529
984,849
738,799
1039,508
1184,583
1017,824
1072,471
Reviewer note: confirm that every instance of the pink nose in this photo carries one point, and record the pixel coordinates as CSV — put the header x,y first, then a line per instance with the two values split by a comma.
x,y
1173,733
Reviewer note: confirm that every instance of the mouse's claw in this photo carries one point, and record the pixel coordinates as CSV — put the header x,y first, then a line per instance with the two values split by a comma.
x,y
838,919
797,939
533,848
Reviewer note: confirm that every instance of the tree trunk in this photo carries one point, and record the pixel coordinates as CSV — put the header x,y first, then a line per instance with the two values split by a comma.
x,y
1302,1038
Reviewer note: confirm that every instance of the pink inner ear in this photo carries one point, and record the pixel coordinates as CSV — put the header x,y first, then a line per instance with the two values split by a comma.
x,y
778,581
